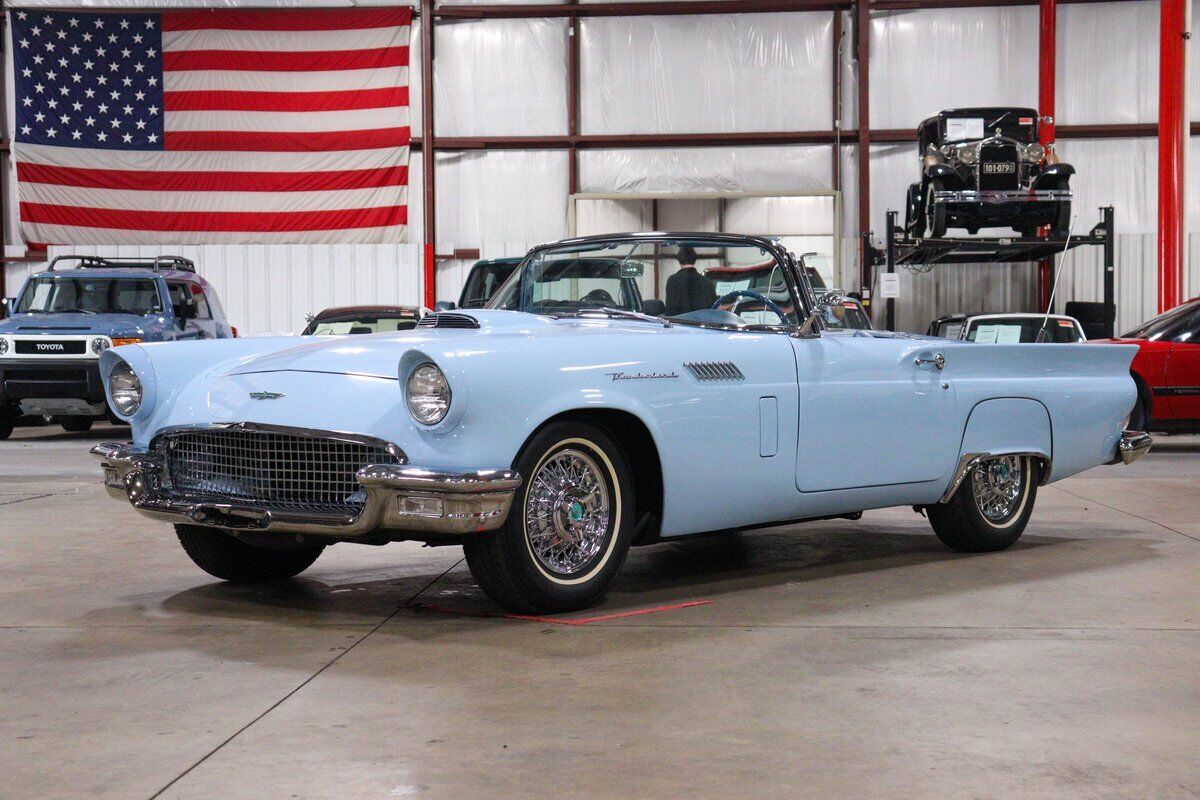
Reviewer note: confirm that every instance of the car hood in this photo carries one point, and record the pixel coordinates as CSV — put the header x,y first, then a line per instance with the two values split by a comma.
x,y
112,325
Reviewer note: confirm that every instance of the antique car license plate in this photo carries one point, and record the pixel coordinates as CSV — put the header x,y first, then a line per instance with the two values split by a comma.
x,y
999,168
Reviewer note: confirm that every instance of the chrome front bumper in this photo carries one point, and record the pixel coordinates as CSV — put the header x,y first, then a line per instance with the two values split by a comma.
x,y
1131,446
996,196
406,501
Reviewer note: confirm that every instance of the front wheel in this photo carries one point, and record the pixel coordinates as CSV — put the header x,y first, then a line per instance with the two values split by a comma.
x,y
569,528
991,507
222,556
935,213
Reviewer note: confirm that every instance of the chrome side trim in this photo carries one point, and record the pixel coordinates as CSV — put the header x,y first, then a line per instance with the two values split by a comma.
x,y
1131,446
969,461
406,502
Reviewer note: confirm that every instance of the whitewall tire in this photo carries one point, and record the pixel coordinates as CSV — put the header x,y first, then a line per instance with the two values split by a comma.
x,y
569,528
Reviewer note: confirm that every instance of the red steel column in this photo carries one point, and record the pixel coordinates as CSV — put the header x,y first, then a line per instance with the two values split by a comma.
x,y
1047,46
427,153
1171,141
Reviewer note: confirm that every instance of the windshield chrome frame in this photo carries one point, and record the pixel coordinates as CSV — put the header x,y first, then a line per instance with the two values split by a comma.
x,y
798,285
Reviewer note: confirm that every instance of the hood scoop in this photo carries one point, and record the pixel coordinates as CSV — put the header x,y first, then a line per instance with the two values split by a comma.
x,y
53,328
447,319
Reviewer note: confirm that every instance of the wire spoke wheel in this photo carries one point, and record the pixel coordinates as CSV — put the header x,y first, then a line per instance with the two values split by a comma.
x,y
568,515
996,486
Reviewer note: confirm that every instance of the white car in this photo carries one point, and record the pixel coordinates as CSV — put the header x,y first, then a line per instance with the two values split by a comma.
x,y
1008,328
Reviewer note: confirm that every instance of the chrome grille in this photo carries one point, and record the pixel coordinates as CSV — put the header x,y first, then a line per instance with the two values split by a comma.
x,y
271,469
999,166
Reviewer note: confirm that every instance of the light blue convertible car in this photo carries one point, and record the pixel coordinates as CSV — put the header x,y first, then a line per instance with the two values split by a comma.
x,y
571,419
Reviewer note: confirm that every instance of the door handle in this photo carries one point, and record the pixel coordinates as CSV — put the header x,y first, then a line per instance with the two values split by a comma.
x,y
938,361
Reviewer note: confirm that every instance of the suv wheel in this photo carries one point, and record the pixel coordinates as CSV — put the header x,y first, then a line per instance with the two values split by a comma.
x,y
75,424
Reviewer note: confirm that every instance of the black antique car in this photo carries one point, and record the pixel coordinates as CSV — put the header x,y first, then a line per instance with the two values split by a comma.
x,y
984,168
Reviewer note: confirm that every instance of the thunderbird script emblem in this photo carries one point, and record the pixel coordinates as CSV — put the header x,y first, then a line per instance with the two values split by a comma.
x,y
265,395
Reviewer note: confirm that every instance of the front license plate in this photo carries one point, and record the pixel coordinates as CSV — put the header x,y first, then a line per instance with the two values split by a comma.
x,y
999,168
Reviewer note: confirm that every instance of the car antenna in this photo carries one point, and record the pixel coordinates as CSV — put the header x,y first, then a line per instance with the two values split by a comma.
x,y
1041,334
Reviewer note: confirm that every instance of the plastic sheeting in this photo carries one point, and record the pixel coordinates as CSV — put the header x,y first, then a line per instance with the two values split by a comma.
x,y
710,73
501,196
501,77
705,169
929,60
1107,63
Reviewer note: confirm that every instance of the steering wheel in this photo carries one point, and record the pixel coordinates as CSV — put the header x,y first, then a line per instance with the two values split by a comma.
x,y
737,294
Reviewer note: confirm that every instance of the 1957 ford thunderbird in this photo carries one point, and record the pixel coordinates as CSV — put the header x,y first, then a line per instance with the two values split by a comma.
x,y
572,418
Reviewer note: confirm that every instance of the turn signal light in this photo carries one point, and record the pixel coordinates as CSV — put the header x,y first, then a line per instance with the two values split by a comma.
x,y
119,342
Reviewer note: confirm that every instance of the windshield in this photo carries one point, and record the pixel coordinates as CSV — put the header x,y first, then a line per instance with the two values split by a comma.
x,y
55,294
1169,326
367,323
484,280
659,277
1025,329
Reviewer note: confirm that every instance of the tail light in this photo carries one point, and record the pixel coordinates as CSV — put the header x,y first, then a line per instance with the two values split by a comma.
x,y
232,328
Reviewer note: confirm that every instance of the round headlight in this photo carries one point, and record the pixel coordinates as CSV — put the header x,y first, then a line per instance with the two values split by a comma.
x,y
428,394
1034,152
100,344
967,153
125,390
3,345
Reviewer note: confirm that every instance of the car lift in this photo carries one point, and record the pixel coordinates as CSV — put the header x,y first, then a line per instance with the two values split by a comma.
x,y
901,250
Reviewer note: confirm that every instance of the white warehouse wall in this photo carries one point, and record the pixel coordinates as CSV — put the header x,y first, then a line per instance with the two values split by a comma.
x,y
749,72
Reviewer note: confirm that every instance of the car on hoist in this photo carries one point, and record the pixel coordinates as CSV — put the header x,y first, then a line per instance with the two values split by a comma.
x,y
985,168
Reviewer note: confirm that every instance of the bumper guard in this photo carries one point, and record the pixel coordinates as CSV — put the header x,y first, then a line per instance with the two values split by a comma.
x,y
403,499
1131,446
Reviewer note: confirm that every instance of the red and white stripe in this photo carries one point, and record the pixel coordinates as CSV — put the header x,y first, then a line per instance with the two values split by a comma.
x,y
281,126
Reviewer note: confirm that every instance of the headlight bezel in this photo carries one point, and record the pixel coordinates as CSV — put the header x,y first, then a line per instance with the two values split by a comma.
x,y
130,383
99,344
1034,152
3,345
428,394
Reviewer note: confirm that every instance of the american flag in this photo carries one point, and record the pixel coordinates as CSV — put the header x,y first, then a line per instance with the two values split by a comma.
x,y
212,126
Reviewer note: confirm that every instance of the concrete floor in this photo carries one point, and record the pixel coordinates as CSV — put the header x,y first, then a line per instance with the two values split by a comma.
x,y
836,659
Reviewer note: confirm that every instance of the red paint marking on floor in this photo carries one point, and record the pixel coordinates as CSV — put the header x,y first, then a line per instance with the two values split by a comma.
x,y
562,621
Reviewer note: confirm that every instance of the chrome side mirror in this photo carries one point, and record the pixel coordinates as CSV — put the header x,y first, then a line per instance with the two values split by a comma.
x,y
830,307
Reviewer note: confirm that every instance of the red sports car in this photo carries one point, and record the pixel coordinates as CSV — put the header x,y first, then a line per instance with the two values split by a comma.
x,y
1167,370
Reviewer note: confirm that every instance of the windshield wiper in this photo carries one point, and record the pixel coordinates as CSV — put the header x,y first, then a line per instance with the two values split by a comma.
x,y
74,311
605,312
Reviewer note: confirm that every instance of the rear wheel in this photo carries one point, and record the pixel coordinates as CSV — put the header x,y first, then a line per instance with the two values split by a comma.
x,y
75,424
914,212
230,559
991,507
1062,219
1139,418
569,528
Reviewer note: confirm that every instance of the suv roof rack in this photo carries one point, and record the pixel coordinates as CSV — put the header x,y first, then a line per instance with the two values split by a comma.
x,y
153,262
